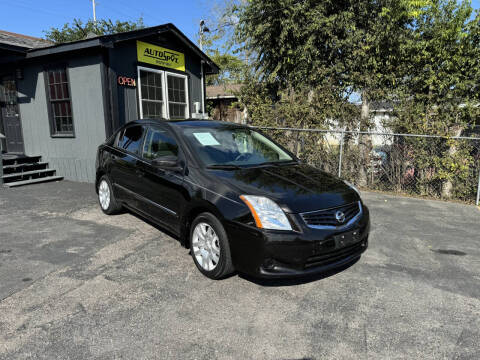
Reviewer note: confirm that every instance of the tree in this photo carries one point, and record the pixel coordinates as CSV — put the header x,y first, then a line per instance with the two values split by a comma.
x,y
78,30
232,68
219,44
439,90
423,55
330,46
439,94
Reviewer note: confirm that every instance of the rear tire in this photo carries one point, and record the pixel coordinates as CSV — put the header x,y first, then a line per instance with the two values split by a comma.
x,y
209,247
106,198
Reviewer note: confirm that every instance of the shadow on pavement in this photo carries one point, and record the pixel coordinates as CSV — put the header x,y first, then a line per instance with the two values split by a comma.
x,y
259,281
299,280
151,223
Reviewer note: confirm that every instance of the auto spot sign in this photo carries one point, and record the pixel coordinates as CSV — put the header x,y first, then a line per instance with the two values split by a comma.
x,y
157,55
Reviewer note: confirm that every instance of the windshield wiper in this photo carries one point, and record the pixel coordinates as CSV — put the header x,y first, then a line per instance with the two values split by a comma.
x,y
278,163
224,167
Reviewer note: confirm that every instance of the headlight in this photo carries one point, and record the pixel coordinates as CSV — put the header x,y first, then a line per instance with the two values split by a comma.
x,y
267,214
352,186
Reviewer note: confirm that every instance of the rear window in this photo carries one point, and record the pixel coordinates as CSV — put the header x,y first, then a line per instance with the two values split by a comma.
x,y
130,139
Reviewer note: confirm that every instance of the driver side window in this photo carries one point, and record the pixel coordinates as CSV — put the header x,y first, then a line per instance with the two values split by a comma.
x,y
130,139
159,143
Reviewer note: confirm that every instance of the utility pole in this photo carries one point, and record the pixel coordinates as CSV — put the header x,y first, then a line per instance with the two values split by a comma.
x,y
94,6
203,29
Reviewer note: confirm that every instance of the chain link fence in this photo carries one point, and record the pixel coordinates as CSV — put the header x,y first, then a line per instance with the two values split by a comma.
x,y
419,165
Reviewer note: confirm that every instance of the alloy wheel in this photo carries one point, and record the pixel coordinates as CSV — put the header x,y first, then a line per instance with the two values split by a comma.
x,y
206,246
104,195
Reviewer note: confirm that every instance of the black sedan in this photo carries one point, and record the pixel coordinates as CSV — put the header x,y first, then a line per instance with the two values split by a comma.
x,y
236,198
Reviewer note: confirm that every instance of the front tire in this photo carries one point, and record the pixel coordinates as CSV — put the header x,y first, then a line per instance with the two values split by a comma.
x,y
106,198
209,247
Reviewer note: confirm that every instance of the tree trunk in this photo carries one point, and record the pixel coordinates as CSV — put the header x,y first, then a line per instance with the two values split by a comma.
x,y
245,115
447,187
364,142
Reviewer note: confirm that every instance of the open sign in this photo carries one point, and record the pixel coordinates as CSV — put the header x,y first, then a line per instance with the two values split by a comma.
x,y
126,81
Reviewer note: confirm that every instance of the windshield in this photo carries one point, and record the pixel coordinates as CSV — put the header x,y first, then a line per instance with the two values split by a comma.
x,y
234,147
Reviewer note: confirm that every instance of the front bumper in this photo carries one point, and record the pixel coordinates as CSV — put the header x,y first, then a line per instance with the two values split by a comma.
x,y
281,254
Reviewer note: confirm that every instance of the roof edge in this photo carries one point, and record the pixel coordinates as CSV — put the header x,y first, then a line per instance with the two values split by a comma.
x,y
107,40
14,48
24,36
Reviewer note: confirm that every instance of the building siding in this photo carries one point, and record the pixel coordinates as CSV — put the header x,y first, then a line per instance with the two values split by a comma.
x,y
192,65
73,158
92,75
123,62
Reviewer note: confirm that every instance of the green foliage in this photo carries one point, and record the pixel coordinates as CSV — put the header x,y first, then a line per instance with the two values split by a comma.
x,y
438,94
232,69
439,89
78,30
354,45
410,9
219,44
418,53
423,56
303,108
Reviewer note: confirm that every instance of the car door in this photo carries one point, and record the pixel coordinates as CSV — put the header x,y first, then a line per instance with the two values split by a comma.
x,y
124,173
161,189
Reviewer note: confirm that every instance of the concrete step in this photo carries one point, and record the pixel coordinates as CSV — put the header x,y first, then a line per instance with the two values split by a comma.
x,y
20,159
10,169
42,172
34,181
21,170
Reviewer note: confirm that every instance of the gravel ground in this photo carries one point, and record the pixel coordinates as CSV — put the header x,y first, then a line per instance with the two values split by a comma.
x,y
76,284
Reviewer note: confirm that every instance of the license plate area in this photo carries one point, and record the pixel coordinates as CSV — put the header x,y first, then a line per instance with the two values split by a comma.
x,y
347,238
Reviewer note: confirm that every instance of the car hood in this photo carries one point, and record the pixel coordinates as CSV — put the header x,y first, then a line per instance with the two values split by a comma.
x,y
296,188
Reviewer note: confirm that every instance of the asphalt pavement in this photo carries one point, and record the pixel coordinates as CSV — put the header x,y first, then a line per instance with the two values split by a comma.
x,y
77,284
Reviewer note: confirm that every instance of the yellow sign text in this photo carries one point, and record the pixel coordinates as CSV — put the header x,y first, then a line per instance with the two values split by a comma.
x,y
157,55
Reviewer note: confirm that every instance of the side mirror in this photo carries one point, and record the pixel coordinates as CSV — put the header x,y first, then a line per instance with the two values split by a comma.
x,y
169,162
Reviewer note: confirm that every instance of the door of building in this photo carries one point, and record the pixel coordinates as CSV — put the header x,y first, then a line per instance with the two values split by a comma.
x,y
10,116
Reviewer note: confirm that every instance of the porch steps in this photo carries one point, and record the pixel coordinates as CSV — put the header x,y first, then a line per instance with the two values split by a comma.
x,y
24,170
33,181
8,169
26,173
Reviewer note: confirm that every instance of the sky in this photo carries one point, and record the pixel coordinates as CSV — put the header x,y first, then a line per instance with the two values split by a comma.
x,y
32,17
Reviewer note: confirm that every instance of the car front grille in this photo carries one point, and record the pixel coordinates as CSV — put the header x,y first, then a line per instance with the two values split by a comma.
x,y
328,258
328,217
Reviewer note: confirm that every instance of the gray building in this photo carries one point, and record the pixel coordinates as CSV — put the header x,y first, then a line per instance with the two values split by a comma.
x,y
59,102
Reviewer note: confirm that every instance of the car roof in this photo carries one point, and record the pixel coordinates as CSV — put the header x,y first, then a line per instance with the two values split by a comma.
x,y
189,123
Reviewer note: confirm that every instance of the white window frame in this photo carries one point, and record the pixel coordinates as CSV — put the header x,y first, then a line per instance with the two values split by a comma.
x,y
185,78
164,98
164,74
